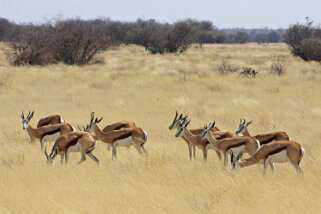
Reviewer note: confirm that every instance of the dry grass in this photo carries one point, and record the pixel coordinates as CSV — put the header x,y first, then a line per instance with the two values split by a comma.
x,y
133,85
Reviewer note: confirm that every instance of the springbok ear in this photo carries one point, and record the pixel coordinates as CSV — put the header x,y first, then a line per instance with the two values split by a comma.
x,y
184,118
180,116
249,123
187,123
244,121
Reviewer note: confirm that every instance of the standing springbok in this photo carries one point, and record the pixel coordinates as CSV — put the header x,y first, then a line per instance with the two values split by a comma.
x,y
262,138
237,144
45,133
196,140
176,124
50,120
123,137
75,141
278,151
114,126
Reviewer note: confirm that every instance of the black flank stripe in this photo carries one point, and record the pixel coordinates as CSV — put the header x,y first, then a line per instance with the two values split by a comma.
x,y
122,136
276,150
268,140
74,141
51,132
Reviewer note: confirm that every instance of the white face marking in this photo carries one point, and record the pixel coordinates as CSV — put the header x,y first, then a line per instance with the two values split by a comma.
x,y
25,124
127,142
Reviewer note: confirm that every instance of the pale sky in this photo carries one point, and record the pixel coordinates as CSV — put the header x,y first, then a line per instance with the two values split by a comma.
x,y
223,13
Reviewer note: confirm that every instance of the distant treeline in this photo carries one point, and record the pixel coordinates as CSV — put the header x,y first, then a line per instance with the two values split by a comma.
x,y
129,32
76,41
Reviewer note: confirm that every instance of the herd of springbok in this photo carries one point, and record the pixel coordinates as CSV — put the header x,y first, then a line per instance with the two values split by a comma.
x,y
264,148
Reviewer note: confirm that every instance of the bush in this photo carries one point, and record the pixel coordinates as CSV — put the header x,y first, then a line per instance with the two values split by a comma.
x,y
248,72
70,42
304,41
77,42
165,38
278,66
225,67
32,46
310,49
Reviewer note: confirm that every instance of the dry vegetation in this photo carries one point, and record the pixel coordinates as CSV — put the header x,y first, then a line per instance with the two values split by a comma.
x,y
134,85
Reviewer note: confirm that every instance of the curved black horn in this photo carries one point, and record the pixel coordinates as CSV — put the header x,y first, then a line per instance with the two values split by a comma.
x,y
92,116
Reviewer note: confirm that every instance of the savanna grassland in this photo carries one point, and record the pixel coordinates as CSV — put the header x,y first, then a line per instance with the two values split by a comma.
x,y
147,89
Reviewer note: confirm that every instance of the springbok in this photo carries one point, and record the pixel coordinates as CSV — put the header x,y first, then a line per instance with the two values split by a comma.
x,y
237,144
262,138
278,151
196,140
50,120
76,141
123,137
114,126
179,120
45,133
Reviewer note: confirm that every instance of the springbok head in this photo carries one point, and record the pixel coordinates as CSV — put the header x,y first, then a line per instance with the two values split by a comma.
x,y
176,121
26,120
181,128
93,122
52,156
207,129
243,126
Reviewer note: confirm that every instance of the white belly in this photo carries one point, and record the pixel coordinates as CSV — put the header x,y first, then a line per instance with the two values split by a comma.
x,y
49,138
279,157
125,142
74,148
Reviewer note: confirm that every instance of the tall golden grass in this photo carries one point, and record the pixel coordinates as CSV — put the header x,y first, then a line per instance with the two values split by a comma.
x,y
133,85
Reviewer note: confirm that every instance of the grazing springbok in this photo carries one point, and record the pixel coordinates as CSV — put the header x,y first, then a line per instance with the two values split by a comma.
x,y
278,151
124,137
262,138
45,133
236,144
114,126
179,120
76,141
50,120
196,140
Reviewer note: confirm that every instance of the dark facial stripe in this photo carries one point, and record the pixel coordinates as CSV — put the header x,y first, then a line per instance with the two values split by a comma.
x,y
276,150
122,136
